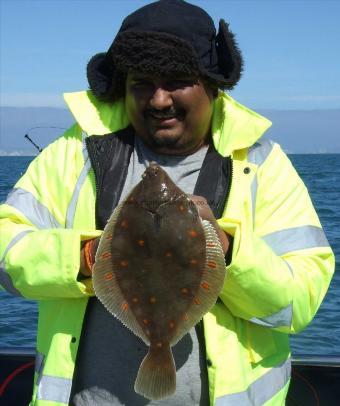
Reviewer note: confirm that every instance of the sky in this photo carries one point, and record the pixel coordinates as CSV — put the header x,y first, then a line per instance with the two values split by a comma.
x,y
291,48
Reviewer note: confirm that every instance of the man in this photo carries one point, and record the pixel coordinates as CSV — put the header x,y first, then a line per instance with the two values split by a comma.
x,y
156,96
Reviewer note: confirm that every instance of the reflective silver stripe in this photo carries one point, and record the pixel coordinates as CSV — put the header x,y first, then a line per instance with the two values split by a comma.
x,y
260,391
278,319
54,389
6,282
14,240
30,207
83,137
39,364
5,279
260,151
254,186
257,154
73,204
296,238
289,267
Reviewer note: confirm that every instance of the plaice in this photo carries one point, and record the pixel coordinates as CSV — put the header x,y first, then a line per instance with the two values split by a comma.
x,y
159,268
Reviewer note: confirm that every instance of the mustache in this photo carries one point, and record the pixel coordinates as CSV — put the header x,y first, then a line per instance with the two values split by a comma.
x,y
164,113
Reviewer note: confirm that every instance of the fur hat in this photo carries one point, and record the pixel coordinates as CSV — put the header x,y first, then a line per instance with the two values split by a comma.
x,y
168,37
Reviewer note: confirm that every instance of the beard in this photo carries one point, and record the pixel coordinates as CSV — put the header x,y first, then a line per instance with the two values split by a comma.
x,y
165,140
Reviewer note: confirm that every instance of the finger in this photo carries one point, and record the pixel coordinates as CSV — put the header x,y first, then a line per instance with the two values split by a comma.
x,y
196,198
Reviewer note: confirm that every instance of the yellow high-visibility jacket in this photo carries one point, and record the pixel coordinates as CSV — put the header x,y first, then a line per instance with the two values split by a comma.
x,y
280,270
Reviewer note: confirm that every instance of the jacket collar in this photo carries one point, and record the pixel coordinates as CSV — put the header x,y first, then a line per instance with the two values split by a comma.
x,y
234,126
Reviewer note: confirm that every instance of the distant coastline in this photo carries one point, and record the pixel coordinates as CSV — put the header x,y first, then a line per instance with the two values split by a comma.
x,y
14,154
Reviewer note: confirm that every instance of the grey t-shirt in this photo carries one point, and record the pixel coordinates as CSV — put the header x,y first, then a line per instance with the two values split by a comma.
x,y
110,354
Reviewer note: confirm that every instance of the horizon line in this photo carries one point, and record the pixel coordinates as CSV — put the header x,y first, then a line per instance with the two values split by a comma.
x,y
252,108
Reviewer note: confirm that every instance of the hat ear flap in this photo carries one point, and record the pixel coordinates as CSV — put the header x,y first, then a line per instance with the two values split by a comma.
x,y
99,75
229,55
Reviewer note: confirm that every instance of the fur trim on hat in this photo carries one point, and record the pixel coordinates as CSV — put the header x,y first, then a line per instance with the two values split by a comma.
x,y
156,53
229,55
99,75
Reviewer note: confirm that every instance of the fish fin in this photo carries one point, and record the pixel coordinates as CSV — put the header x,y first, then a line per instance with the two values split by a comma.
x,y
105,282
156,378
210,285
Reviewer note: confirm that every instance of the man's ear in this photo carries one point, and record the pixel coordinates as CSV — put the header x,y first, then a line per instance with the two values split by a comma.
x,y
210,87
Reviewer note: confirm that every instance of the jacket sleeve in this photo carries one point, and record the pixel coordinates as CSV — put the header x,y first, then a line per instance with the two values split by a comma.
x,y
39,256
282,264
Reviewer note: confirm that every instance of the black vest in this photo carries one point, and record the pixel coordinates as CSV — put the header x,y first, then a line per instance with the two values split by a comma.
x,y
110,157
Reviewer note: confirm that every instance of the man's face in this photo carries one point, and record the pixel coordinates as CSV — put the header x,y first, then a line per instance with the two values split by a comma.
x,y
171,115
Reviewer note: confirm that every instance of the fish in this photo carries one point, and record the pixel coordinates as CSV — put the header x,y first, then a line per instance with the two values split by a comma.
x,y
159,268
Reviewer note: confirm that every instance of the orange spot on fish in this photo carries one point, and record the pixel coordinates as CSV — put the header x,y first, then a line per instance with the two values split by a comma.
x,y
106,255
184,290
135,299
168,254
125,307
124,224
185,317
192,233
146,321
109,237
197,301
152,299
124,263
171,324
212,264
159,344
181,207
108,276
141,243
193,261
205,285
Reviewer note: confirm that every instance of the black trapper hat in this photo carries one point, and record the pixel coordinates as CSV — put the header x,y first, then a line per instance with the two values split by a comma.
x,y
168,37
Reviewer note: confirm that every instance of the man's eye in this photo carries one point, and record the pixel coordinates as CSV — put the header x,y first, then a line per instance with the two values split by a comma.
x,y
141,84
180,83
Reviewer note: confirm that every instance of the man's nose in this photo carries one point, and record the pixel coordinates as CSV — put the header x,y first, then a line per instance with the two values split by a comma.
x,y
161,98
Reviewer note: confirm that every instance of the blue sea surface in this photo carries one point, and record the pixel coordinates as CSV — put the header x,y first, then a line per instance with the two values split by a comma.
x,y
321,174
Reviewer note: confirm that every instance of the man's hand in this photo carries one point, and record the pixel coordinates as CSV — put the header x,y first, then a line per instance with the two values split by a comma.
x,y
206,213
87,254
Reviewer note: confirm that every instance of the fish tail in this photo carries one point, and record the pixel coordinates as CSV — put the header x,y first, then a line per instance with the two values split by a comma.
x,y
156,378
